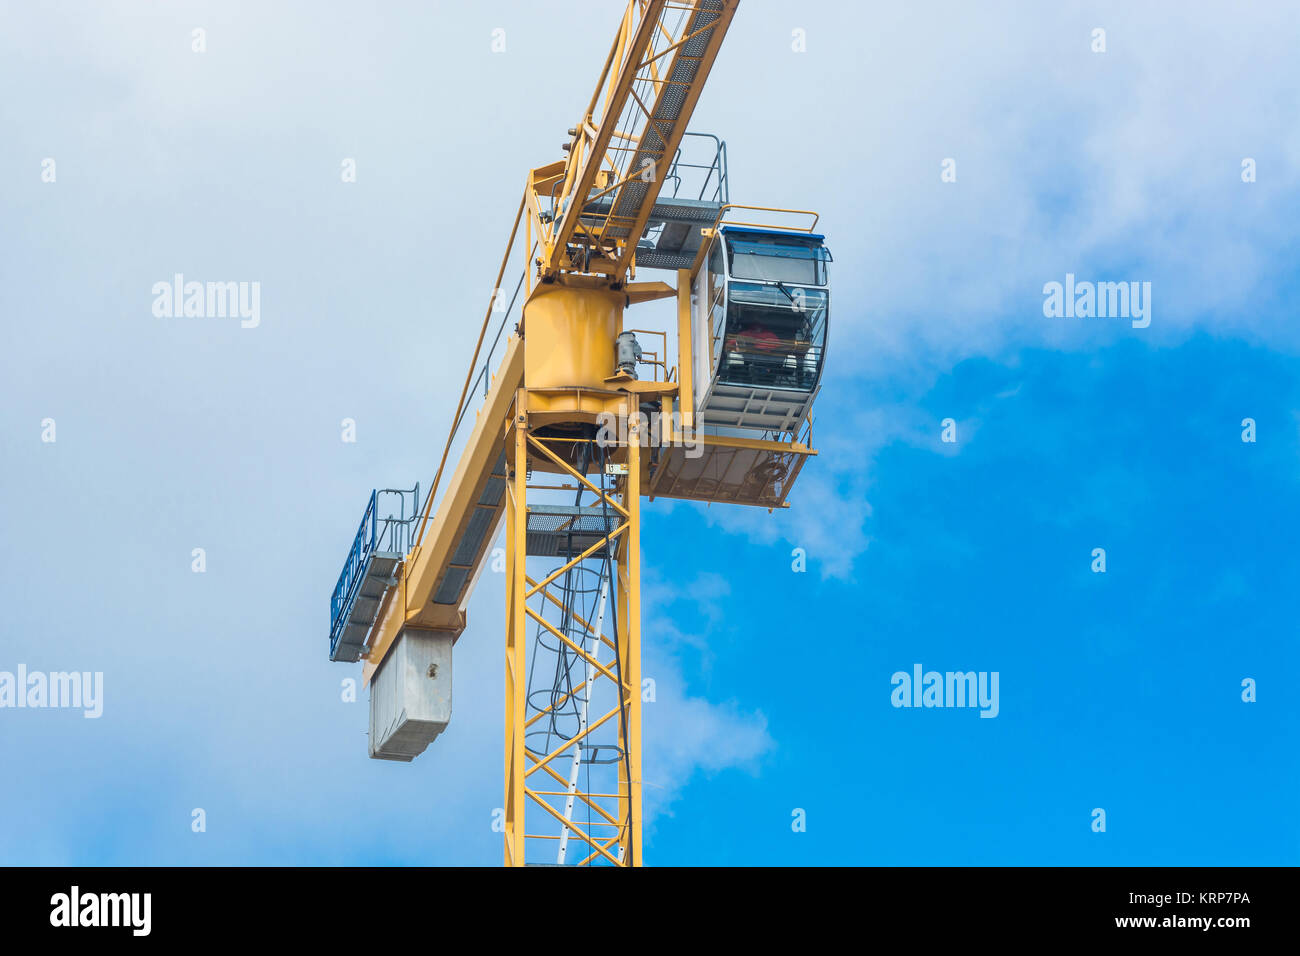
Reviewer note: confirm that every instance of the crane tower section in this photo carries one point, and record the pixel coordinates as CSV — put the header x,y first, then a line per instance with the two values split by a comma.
x,y
579,421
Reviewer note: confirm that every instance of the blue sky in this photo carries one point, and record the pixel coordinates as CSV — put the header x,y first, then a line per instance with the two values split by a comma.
x,y
1119,690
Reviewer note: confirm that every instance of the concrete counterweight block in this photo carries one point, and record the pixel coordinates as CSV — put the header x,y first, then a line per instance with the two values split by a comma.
x,y
410,695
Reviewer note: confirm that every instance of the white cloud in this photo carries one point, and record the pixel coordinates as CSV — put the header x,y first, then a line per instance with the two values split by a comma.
x,y
1100,164
1066,161
686,735
1124,165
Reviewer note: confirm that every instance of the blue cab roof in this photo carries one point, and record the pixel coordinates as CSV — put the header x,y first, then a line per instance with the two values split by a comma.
x,y
756,231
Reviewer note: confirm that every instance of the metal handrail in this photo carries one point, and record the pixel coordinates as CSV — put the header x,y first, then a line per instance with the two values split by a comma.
x,y
660,359
362,546
393,533
718,165
721,221
708,232
396,536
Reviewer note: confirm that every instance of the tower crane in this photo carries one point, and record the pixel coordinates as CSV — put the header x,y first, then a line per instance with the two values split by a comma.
x,y
578,422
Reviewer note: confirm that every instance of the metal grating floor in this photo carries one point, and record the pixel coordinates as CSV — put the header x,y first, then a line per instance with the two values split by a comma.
x,y
566,531
376,578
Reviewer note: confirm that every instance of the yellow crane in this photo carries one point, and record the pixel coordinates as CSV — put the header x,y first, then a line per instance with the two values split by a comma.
x,y
579,422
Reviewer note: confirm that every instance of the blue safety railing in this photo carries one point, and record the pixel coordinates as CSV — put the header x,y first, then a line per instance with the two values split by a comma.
x,y
362,547
392,533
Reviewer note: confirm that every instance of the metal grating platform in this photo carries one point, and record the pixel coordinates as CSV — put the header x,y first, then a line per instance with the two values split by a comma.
x,y
677,243
740,472
376,577
566,531
756,406
666,113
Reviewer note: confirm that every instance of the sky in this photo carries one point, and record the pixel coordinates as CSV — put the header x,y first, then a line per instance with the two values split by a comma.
x,y
773,738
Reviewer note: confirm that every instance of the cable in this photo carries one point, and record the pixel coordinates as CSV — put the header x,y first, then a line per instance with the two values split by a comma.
x,y
446,450
460,416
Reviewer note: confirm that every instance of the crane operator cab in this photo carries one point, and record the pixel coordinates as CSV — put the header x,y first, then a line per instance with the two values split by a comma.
x,y
760,307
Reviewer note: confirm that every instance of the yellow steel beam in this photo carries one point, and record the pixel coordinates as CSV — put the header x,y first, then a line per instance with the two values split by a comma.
x,y
673,138
582,834
473,363
558,702
594,725
685,350
574,647
427,562
522,759
629,641
625,58
595,853
638,292
573,472
577,560
572,613
587,798
602,151
516,634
